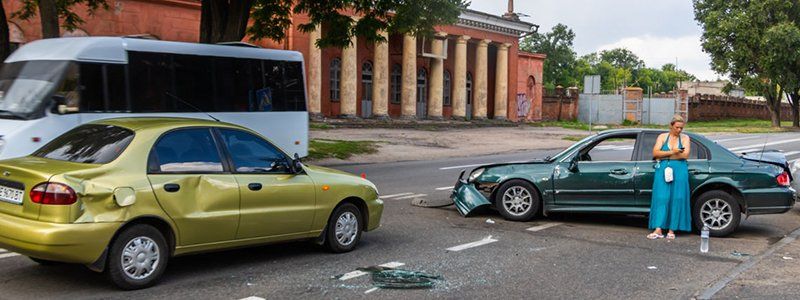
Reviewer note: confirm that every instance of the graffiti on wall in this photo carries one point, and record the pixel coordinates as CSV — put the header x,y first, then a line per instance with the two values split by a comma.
x,y
523,106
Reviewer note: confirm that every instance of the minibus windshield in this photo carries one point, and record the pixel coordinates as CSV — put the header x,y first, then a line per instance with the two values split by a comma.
x,y
26,86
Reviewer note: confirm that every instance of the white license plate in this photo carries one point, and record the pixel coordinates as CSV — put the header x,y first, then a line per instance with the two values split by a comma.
x,y
12,195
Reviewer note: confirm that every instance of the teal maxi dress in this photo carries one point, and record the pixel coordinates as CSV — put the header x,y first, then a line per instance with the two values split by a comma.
x,y
669,206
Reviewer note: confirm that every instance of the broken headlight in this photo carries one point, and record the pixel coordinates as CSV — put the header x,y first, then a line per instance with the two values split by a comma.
x,y
475,174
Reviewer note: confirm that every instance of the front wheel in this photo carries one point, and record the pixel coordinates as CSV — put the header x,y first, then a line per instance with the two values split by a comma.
x,y
344,228
138,257
717,210
517,200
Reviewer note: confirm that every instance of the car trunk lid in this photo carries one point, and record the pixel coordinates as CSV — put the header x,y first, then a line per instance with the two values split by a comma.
x,y
773,157
22,174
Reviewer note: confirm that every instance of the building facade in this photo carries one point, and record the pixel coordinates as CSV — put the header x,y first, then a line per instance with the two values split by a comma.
x,y
469,70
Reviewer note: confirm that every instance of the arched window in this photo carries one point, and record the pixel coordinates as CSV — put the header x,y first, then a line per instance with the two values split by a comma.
x,y
336,73
446,90
469,88
422,86
366,81
397,79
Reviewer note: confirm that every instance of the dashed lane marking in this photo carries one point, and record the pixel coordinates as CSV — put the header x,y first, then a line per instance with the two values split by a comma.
x,y
464,166
444,188
542,227
371,290
7,255
3,250
253,298
411,196
395,195
790,153
354,274
485,241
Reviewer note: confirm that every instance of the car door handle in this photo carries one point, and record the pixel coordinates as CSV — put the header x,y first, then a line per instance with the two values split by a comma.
x,y
172,187
694,171
619,171
254,186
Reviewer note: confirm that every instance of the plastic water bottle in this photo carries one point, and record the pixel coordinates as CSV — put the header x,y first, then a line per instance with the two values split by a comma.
x,y
704,240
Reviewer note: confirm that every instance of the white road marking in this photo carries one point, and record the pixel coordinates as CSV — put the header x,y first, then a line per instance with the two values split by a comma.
x,y
542,227
444,188
394,195
411,196
464,166
7,255
484,241
790,153
749,150
737,139
371,290
253,298
3,250
354,274
763,145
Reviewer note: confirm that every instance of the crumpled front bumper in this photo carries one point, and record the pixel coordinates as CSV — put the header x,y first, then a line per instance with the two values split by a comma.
x,y
467,198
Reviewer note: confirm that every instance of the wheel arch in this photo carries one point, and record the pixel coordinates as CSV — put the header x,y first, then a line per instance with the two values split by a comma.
x,y
536,187
164,227
720,186
358,202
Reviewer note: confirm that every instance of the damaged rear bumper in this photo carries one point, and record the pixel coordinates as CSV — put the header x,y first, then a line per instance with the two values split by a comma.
x,y
467,198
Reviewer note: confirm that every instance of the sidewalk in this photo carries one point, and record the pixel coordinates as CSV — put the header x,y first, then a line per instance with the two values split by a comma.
x,y
406,144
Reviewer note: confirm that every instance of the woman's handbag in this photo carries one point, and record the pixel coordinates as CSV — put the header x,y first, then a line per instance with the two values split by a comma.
x,y
668,176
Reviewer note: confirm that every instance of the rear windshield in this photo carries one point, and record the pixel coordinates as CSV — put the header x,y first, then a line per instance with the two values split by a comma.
x,y
91,144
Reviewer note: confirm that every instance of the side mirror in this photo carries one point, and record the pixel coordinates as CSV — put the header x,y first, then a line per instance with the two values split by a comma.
x,y
573,164
297,164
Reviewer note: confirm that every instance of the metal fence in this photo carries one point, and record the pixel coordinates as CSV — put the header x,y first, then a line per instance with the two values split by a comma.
x,y
611,109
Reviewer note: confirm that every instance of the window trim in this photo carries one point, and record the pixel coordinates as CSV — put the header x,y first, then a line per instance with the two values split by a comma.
x,y
595,142
695,142
447,88
396,89
225,167
229,158
334,81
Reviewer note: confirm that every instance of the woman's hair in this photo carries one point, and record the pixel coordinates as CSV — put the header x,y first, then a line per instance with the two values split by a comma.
x,y
676,119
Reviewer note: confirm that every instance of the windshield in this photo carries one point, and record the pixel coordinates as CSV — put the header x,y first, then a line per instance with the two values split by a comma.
x,y
573,147
105,144
25,85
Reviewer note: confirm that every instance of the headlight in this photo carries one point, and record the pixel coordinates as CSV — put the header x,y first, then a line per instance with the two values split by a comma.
x,y
475,174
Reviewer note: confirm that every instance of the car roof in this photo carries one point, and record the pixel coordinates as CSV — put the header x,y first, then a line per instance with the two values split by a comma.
x,y
637,130
166,123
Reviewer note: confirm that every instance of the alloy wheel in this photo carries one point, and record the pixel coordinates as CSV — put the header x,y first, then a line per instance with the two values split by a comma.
x,y
716,214
517,200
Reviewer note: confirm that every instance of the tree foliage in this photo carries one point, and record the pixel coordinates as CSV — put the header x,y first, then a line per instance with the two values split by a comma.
x,y
226,20
755,43
617,67
51,11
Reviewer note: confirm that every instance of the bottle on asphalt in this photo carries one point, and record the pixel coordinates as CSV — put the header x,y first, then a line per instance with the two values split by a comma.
x,y
704,240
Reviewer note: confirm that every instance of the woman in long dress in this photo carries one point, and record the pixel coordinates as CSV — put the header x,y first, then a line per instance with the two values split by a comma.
x,y
669,207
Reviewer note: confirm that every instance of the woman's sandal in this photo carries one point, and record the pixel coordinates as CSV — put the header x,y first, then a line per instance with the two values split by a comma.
x,y
670,236
655,236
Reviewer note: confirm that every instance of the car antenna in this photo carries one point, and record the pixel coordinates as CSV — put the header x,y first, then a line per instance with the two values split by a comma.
x,y
190,105
763,148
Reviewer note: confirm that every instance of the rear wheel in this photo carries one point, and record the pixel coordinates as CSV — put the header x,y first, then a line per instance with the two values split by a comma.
x,y
344,228
517,200
138,257
717,210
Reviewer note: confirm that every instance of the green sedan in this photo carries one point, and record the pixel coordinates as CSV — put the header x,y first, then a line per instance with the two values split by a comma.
x,y
612,172
123,196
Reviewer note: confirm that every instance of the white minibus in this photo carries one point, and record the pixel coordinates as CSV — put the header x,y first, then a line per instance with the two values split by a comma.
x,y
50,86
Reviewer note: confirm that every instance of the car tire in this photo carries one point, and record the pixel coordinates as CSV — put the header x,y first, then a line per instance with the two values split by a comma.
x,y
45,262
719,211
517,200
148,254
347,219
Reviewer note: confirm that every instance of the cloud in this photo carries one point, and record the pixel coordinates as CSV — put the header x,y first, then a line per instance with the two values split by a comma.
x,y
658,50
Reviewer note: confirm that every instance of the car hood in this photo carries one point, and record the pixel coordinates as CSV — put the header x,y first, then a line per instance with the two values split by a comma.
x,y
318,169
530,162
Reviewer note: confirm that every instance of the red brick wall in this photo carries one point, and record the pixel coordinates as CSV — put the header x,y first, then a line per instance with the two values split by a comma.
x,y
710,107
557,105
529,69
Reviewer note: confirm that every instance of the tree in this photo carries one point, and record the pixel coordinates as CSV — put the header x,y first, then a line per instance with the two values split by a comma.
x,y
5,42
50,11
622,58
559,67
226,20
744,39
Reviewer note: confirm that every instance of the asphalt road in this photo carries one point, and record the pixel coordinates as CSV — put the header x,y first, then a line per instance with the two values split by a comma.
x,y
567,255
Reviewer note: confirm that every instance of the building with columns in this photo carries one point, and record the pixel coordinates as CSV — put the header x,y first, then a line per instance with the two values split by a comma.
x,y
469,70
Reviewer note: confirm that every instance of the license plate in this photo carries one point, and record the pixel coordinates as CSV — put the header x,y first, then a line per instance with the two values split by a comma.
x,y
11,195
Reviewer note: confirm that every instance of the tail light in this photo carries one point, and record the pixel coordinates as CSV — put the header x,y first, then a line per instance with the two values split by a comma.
x,y
783,179
53,193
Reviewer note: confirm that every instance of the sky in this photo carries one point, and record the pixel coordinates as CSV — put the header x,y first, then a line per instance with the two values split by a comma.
x,y
658,31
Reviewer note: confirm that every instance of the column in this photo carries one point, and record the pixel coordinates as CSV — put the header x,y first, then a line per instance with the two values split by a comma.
x,y
481,80
380,79
409,91
314,75
460,79
437,78
501,83
349,82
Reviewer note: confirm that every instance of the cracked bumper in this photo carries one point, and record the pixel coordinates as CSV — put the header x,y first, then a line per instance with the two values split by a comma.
x,y
467,198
